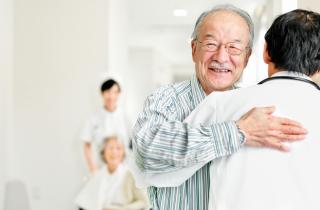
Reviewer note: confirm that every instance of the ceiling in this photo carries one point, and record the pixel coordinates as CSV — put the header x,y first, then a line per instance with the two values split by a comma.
x,y
155,12
153,25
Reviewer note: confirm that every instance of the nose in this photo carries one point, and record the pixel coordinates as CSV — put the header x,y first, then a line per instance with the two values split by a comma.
x,y
221,55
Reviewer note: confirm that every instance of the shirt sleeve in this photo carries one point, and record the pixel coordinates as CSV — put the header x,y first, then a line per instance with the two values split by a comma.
x,y
162,143
87,134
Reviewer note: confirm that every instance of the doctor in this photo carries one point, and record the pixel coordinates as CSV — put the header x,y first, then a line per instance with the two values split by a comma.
x,y
108,121
267,179
173,157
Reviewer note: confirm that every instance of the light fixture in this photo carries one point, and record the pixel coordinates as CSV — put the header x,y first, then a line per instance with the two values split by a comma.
x,y
180,12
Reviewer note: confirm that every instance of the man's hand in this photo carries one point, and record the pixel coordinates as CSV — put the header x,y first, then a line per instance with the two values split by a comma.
x,y
264,130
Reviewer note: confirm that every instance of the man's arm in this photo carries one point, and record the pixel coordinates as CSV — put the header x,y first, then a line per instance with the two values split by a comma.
x,y
164,144
264,130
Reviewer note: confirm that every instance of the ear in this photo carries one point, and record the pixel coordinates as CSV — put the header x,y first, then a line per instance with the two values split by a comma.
x,y
316,77
248,54
193,48
266,56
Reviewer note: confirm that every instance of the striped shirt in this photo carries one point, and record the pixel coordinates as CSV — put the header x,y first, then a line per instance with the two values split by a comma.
x,y
163,143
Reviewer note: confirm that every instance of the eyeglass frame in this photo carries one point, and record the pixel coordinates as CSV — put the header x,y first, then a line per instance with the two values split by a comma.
x,y
226,47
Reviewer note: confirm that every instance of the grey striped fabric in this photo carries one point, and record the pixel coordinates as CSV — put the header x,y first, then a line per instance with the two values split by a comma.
x,y
163,143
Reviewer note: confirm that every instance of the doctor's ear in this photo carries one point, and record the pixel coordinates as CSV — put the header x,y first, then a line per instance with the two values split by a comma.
x,y
266,56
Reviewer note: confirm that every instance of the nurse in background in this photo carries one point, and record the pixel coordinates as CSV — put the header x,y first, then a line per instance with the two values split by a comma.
x,y
108,121
112,187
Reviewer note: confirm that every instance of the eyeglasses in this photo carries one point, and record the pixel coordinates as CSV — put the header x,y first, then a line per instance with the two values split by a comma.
x,y
233,48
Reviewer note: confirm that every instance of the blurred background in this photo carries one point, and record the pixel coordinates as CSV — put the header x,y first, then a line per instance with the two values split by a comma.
x,y
54,54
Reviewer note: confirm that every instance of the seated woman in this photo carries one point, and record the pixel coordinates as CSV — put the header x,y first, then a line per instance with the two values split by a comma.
x,y
113,186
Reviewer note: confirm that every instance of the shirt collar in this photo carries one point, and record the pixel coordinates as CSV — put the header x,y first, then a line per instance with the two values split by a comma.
x,y
197,91
291,74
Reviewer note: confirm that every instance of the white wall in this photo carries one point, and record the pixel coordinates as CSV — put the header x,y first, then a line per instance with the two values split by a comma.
x,y
117,45
309,4
140,62
60,51
148,70
6,67
117,37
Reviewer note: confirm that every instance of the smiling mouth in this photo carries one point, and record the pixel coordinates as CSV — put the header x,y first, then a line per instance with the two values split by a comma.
x,y
220,70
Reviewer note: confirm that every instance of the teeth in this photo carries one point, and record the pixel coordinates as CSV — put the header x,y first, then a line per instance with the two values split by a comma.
x,y
220,70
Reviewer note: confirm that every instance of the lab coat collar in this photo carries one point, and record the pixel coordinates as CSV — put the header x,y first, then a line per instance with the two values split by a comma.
x,y
290,74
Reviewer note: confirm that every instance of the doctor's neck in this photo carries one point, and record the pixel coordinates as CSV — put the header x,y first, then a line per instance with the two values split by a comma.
x,y
272,69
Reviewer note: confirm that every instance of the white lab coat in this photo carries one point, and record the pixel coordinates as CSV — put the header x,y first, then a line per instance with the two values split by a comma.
x,y
262,178
103,124
112,191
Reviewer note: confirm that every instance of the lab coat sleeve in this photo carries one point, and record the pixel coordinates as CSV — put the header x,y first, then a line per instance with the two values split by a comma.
x,y
88,130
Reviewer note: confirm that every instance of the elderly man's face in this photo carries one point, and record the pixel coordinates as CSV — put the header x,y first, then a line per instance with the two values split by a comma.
x,y
228,33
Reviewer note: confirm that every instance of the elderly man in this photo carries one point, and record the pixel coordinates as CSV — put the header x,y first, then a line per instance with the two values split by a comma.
x,y
266,179
174,157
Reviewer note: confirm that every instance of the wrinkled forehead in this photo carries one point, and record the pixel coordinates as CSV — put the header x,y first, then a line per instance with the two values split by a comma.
x,y
224,26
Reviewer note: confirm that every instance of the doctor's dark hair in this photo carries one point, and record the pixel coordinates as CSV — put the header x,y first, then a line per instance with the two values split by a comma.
x,y
109,84
293,42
